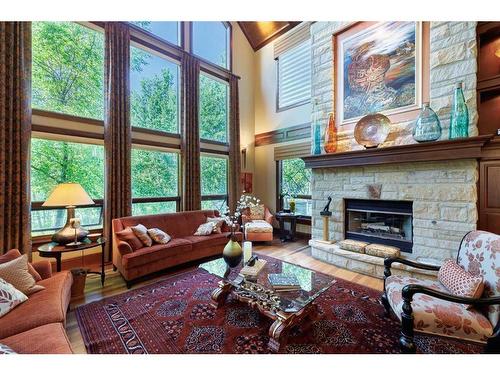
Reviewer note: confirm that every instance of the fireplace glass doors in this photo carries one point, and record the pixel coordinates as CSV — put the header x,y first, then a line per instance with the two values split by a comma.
x,y
379,221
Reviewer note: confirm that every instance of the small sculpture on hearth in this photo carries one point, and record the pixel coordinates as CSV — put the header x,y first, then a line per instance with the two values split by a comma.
x,y
326,211
326,214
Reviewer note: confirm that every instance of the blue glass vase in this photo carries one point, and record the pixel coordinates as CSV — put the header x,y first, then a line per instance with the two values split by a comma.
x,y
427,127
459,119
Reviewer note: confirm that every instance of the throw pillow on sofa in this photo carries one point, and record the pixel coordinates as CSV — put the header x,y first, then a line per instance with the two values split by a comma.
x,y
159,236
10,297
142,233
219,222
205,229
129,237
13,254
16,273
459,282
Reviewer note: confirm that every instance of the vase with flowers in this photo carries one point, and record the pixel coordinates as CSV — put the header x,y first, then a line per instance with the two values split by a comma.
x,y
233,252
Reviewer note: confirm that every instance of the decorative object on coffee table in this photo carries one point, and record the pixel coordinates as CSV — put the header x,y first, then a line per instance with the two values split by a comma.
x,y
331,135
459,118
326,214
68,195
372,130
55,250
427,127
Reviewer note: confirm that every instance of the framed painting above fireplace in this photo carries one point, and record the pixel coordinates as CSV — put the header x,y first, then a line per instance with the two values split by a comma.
x,y
380,67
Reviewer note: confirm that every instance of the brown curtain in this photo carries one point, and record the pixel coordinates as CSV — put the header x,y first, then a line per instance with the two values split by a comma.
x,y
234,144
117,131
190,134
15,134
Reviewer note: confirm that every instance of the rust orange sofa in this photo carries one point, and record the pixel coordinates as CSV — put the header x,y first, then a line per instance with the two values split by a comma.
x,y
182,248
37,325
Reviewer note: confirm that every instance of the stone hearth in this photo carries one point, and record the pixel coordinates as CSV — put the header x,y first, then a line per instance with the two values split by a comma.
x,y
444,207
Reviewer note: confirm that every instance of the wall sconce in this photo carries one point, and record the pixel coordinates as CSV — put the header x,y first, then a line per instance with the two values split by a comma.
x,y
244,157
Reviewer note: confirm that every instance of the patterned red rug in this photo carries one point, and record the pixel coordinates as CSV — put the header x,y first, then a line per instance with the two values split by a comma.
x,y
175,316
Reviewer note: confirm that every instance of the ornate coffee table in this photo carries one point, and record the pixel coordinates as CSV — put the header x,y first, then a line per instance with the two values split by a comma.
x,y
286,309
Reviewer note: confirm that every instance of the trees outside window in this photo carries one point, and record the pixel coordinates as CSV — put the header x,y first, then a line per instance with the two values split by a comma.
x,y
213,109
154,91
155,181
214,173
68,69
211,42
56,162
295,181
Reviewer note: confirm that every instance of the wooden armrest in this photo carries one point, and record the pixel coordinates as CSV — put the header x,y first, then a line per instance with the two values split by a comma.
x,y
389,261
411,289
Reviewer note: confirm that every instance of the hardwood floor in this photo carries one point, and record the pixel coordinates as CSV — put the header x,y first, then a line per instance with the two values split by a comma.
x,y
295,252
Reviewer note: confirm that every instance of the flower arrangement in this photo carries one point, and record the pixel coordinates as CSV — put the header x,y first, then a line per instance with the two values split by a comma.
x,y
233,218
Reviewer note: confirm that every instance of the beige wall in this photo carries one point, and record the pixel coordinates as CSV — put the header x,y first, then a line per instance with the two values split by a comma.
x,y
244,66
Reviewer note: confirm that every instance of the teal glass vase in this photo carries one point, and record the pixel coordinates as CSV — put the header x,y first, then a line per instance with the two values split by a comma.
x,y
459,119
317,139
316,129
427,127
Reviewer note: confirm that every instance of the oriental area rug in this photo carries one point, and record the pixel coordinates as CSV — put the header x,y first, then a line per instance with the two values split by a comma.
x,y
174,316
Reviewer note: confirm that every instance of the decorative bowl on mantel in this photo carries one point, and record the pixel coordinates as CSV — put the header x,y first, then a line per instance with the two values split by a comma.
x,y
372,130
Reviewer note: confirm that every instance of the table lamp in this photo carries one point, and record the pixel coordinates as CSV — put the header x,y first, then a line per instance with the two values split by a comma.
x,y
68,195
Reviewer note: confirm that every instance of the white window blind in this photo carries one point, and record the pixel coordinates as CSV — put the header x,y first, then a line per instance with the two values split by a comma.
x,y
294,75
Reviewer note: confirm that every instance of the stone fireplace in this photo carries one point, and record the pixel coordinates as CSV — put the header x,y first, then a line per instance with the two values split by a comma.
x,y
442,191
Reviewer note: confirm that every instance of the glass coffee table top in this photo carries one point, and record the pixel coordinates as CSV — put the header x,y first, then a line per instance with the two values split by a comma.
x,y
312,284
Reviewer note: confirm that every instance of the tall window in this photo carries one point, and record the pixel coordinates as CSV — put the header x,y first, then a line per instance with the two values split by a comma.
x,y
294,181
213,182
211,42
68,69
214,109
154,90
55,162
294,76
155,181
169,31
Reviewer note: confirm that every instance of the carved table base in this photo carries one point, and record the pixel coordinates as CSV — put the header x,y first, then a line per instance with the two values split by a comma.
x,y
266,302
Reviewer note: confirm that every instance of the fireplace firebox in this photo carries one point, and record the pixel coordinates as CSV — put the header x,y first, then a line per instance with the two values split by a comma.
x,y
380,221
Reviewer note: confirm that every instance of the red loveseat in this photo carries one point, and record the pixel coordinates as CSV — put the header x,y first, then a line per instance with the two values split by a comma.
x,y
36,326
183,247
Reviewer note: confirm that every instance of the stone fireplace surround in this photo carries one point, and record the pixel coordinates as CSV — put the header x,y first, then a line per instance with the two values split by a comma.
x,y
444,199
444,193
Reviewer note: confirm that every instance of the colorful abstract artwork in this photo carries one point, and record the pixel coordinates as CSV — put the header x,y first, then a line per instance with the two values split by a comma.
x,y
379,70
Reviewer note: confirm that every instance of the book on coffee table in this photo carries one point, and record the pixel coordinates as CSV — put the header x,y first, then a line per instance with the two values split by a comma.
x,y
283,282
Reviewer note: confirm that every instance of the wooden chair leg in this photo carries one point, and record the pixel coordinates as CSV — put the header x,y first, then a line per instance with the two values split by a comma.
x,y
385,303
406,341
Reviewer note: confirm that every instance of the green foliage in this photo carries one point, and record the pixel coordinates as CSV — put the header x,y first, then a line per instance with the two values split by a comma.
x,y
213,109
213,175
296,179
68,69
154,173
55,162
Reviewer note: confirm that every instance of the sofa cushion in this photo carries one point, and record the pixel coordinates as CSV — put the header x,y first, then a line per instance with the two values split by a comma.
x,y
153,253
142,234
10,297
16,273
460,282
47,306
129,237
437,316
47,339
258,226
206,229
159,236
219,222
13,254
215,239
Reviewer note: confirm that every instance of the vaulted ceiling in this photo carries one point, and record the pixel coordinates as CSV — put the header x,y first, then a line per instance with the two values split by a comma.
x,y
260,33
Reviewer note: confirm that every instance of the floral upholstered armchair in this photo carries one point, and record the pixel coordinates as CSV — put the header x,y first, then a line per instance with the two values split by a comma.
x,y
257,223
427,306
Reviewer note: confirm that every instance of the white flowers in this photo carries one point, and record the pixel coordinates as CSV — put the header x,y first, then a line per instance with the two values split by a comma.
x,y
246,201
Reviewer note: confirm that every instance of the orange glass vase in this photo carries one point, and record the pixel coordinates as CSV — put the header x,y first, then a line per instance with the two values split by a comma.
x,y
330,136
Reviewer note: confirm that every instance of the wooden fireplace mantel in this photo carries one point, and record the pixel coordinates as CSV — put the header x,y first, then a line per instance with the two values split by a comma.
x,y
466,148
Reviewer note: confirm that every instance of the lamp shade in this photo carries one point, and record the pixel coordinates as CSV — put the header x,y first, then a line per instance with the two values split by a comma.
x,y
68,194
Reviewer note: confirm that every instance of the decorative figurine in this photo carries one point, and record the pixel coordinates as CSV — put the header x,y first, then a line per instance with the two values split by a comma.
x,y
326,214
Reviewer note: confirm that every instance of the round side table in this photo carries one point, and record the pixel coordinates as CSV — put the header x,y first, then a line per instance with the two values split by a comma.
x,y
55,250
